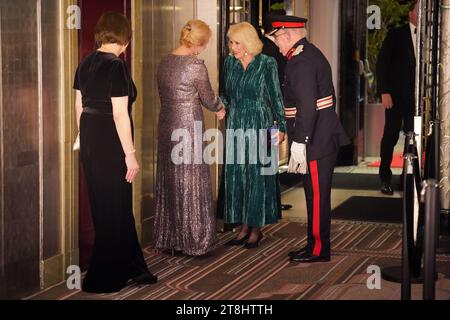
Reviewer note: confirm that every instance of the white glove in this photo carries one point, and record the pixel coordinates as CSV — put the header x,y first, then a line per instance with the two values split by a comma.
x,y
297,163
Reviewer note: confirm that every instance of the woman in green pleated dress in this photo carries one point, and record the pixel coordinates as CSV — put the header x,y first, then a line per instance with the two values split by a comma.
x,y
254,102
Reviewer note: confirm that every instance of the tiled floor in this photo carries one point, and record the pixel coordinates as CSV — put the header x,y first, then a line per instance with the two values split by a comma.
x,y
265,273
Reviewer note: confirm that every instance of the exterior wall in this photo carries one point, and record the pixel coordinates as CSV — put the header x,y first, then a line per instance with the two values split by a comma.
x,y
30,163
324,33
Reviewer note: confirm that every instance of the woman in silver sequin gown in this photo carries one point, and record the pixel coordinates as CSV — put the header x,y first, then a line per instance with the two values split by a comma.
x,y
185,220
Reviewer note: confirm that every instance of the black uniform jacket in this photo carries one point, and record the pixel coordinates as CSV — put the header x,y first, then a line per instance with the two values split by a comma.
x,y
310,98
396,68
270,49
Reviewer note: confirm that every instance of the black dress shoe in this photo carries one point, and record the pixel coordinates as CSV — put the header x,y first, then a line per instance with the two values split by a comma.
x,y
296,252
299,255
307,258
146,278
238,242
386,188
251,245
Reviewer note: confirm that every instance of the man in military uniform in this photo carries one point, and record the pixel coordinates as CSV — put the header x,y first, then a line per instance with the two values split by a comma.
x,y
313,128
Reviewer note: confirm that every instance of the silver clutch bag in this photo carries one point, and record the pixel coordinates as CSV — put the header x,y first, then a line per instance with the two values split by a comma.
x,y
76,144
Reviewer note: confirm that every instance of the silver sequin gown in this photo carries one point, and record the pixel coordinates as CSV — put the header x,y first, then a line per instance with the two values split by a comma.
x,y
185,219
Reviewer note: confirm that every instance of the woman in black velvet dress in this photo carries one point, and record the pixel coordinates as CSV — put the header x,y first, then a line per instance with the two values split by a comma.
x,y
105,94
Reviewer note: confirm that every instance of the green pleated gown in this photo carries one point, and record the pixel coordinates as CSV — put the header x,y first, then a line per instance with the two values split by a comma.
x,y
253,100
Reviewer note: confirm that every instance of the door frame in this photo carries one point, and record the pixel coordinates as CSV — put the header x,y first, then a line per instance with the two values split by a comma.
x,y
90,12
353,94
69,159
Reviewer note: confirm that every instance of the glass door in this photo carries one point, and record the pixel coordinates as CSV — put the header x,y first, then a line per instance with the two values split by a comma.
x,y
353,93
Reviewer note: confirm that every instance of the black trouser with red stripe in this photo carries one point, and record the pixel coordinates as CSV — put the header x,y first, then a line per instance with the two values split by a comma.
x,y
317,184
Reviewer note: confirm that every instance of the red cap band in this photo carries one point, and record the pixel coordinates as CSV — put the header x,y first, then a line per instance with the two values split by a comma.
x,y
288,24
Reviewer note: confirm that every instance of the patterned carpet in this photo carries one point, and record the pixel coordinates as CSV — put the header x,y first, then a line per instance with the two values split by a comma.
x,y
233,273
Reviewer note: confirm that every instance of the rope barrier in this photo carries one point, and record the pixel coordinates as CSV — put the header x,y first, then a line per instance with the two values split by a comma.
x,y
427,227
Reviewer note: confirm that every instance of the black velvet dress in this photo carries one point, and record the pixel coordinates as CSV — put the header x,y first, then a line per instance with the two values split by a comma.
x,y
117,255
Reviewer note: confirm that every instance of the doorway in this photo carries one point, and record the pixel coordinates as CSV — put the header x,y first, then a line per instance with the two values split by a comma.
x,y
353,93
90,13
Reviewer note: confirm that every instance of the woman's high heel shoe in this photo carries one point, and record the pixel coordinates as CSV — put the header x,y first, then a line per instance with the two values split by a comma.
x,y
176,252
238,242
251,245
146,278
173,252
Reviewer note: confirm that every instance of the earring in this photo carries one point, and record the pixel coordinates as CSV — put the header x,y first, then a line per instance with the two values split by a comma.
x,y
246,53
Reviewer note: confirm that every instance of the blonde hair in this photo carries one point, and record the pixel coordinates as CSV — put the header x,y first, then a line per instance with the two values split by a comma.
x,y
195,33
246,34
